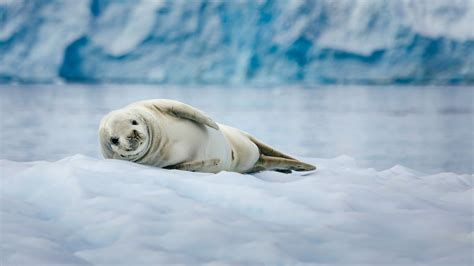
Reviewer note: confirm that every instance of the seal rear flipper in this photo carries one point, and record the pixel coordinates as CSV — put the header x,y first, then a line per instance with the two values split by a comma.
x,y
267,149
185,111
194,166
279,164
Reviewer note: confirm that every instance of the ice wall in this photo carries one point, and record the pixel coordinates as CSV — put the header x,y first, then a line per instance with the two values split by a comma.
x,y
257,42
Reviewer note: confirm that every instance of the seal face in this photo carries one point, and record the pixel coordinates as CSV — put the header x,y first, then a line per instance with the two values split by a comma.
x,y
174,135
124,134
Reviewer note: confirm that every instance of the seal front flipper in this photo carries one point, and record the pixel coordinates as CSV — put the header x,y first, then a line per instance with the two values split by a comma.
x,y
185,111
194,165
279,164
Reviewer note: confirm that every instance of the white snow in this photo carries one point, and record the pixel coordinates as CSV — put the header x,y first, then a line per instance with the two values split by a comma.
x,y
82,210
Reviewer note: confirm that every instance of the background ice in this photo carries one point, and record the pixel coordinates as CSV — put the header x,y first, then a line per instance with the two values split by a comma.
x,y
86,211
258,42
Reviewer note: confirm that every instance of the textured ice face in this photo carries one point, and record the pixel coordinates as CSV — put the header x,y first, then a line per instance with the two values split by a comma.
x,y
261,42
123,135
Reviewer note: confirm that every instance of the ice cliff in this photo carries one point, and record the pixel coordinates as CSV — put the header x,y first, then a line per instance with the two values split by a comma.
x,y
236,42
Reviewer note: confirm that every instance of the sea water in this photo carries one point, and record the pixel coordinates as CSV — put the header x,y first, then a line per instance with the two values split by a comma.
x,y
427,128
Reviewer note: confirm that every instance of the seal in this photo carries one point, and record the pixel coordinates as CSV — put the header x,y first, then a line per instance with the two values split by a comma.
x,y
174,135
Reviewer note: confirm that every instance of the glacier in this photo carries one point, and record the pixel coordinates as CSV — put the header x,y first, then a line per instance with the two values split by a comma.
x,y
237,42
86,211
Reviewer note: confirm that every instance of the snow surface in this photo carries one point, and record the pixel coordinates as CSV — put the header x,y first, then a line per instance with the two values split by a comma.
x,y
82,210
260,42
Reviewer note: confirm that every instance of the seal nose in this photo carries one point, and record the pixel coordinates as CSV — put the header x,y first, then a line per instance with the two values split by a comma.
x,y
114,140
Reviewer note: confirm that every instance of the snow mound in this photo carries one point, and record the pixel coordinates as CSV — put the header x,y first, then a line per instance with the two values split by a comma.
x,y
87,211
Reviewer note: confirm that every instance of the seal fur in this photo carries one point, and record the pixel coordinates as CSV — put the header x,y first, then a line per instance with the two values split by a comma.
x,y
174,135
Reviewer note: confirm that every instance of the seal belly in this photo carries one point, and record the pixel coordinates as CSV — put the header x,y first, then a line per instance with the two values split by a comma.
x,y
218,147
244,153
188,141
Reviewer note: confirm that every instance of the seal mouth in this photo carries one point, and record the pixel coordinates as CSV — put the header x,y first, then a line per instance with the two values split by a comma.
x,y
135,140
134,144
129,155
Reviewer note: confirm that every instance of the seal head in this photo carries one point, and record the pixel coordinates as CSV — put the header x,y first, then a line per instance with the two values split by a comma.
x,y
124,135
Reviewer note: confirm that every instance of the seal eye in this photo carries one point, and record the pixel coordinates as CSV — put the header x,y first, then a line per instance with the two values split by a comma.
x,y
134,122
114,140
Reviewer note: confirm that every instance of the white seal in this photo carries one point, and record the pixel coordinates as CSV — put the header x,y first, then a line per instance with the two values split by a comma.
x,y
174,135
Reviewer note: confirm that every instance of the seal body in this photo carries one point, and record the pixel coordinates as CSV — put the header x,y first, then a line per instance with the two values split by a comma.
x,y
170,134
243,152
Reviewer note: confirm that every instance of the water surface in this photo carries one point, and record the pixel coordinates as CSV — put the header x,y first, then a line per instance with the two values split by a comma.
x,y
426,128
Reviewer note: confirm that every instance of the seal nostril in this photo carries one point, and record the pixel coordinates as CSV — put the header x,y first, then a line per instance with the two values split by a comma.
x,y
114,140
